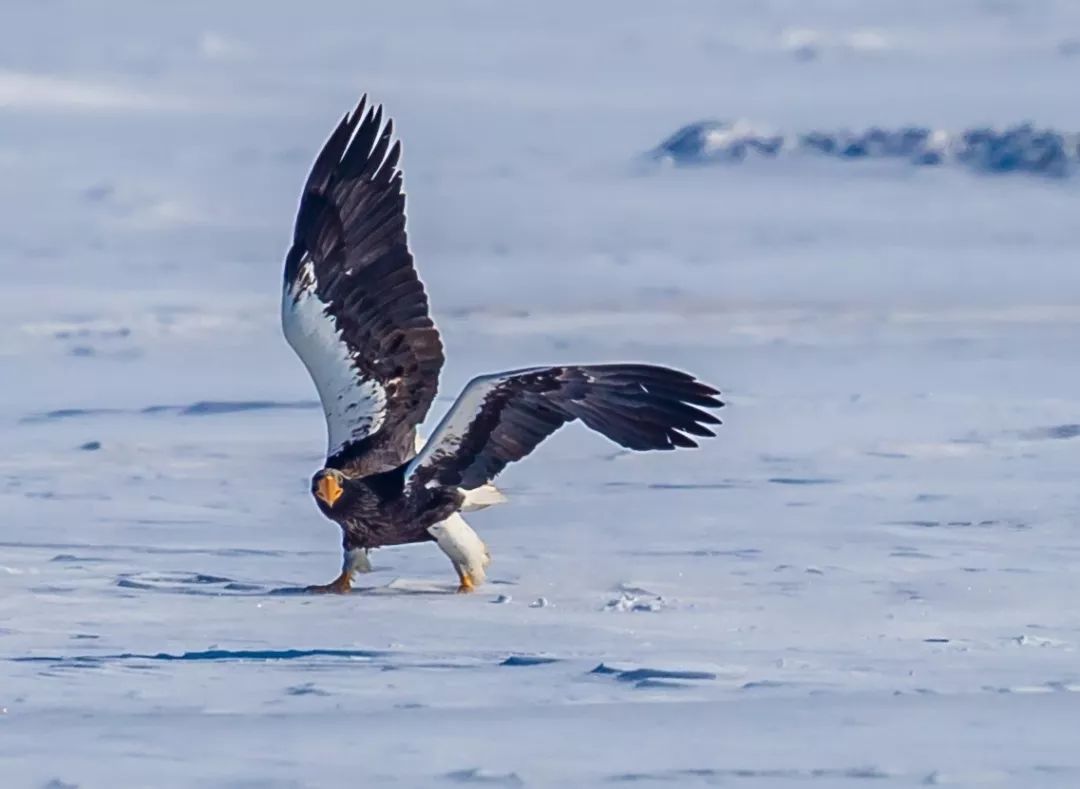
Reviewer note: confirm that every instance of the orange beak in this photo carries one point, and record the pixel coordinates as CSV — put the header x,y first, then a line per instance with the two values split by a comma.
x,y
328,490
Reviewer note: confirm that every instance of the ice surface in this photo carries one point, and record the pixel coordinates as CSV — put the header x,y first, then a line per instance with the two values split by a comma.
x,y
867,579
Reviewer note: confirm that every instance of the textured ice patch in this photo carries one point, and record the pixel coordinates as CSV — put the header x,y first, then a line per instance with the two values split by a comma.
x,y
711,141
198,408
480,775
1054,432
633,602
1021,148
720,777
646,677
528,660
214,655
183,583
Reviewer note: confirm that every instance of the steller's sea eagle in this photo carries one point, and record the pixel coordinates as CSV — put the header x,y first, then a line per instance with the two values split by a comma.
x,y
357,315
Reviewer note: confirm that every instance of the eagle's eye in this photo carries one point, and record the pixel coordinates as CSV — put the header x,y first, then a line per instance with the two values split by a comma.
x,y
328,489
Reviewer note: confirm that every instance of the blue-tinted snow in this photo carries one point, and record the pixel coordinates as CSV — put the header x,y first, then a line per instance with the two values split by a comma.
x,y
874,562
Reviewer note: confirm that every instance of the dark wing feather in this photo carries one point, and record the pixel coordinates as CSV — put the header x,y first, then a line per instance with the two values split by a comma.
x,y
353,308
502,418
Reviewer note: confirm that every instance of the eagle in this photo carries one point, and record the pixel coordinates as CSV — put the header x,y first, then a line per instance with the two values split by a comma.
x,y
356,313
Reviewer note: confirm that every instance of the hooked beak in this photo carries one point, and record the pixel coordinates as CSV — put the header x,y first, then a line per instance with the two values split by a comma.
x,y
328,490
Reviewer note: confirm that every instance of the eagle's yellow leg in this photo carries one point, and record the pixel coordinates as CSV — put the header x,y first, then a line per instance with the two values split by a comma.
x,y
340,585
467,582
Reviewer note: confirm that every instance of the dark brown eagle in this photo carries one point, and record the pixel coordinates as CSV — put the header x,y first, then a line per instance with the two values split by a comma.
x,y
357,315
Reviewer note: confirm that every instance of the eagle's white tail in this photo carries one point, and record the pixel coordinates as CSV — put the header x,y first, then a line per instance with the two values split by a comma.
x,y
477,498
481,497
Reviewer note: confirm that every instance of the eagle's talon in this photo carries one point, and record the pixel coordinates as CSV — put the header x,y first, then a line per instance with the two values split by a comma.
x,y
467,584
340,585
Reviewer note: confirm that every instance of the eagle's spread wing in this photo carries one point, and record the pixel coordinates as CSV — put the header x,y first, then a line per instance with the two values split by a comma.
x,y
353,307
502,418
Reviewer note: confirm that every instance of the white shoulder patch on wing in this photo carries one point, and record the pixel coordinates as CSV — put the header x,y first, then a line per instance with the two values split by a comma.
x,y
355,407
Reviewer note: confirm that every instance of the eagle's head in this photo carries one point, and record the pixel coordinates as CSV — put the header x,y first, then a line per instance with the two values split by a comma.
x,y
328,486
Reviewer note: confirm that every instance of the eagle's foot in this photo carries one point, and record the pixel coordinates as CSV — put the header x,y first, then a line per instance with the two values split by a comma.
x,y
340,585
468,584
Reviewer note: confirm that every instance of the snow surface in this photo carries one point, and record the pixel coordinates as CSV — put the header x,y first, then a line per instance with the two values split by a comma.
x,y
869,578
